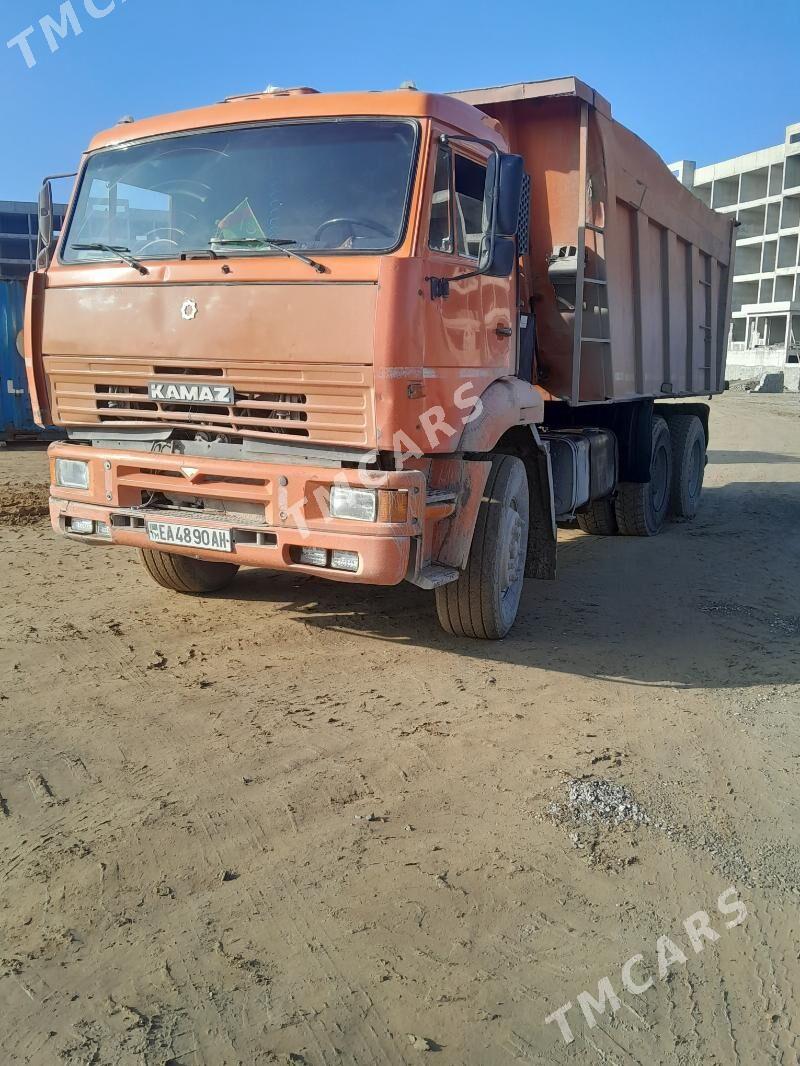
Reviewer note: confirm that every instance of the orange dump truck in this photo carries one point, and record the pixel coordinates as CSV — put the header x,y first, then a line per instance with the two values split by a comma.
x,y
377,337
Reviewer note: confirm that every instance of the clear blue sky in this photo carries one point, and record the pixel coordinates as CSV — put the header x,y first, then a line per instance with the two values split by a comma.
x,y
667,68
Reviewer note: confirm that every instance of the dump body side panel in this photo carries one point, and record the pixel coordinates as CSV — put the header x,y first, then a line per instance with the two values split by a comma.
x,y
677,254
658,326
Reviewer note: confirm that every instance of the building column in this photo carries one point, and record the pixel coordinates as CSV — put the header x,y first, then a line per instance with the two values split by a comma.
x,y
787,338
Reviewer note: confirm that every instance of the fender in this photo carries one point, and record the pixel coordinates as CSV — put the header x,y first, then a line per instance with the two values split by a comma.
x,y
510,409
508,402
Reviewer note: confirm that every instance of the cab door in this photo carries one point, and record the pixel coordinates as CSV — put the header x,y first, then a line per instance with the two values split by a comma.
x,y
474,325
455,335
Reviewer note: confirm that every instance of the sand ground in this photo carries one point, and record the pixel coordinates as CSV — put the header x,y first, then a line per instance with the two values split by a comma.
x,y
296,823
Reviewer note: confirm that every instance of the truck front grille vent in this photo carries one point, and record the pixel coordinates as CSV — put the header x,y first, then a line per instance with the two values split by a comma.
x,y
203,372
123,398
280,412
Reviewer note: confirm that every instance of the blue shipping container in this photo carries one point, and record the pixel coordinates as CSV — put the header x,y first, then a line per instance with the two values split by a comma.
x,y
16,417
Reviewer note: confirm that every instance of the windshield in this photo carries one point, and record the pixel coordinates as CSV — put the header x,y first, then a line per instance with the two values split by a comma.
x,y
327,185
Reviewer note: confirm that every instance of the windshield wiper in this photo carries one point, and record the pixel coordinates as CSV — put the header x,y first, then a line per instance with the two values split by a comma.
x,y
120,251
278,243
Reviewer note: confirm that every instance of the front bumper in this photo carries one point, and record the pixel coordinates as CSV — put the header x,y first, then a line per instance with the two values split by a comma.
x,y
272,510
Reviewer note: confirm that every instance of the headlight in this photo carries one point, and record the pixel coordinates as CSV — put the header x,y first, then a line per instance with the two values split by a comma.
x,y
358,504
72,474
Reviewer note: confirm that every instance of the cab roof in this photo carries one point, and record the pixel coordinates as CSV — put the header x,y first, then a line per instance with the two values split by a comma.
x,y
303,103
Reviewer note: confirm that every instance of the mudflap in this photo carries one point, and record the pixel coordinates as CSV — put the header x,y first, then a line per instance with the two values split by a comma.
x,y
541,557
454,549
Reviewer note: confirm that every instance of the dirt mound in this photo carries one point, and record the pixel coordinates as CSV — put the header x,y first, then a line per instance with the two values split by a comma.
x,y
23,504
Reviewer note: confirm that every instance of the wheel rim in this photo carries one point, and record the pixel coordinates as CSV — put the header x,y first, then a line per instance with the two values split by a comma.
x,y
658,479
695,469
512,564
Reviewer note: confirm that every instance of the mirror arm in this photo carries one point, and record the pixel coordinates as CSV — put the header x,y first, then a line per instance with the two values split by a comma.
x,y
55,177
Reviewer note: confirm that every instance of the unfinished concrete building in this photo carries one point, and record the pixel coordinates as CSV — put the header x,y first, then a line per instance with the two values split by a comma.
x,y
762,189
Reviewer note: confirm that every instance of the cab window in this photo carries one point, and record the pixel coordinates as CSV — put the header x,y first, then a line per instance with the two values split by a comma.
x,y
457,204
470,183
440,233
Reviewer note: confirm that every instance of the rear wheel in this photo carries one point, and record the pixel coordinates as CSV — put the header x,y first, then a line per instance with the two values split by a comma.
x,y
641,509
484,601
688,464
599,518
181,573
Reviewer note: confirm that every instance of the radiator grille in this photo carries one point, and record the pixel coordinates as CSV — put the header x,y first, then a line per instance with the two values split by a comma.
x,y
323,404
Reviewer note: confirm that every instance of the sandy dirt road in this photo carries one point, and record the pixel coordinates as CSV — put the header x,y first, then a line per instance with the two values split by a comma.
x,y
296,823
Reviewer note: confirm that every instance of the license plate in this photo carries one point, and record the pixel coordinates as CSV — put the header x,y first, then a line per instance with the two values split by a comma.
x,y
185,536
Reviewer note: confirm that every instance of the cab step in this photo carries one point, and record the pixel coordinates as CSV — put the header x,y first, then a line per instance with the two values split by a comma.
x,y
435,575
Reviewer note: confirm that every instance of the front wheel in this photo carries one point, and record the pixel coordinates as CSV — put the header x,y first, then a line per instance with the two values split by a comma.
x,y
484,601
181,573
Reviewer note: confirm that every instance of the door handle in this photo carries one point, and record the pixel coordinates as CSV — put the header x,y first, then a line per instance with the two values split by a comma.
x,y
504,331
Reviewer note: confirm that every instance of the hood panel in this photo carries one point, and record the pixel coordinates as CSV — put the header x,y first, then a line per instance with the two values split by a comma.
x,y
311,322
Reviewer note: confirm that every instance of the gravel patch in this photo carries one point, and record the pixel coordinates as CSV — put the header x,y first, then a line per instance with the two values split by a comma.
x,y
595,799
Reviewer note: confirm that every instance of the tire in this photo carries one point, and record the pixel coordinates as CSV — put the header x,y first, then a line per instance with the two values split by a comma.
x,y
181,573
484,601
688,464
599,519
641,509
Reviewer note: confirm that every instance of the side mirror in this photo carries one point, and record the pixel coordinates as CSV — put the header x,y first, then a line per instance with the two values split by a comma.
x,y
501,206
45,226
498,261
504,174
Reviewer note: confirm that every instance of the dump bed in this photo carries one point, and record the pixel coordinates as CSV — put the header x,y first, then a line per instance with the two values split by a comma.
x,y
630,273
